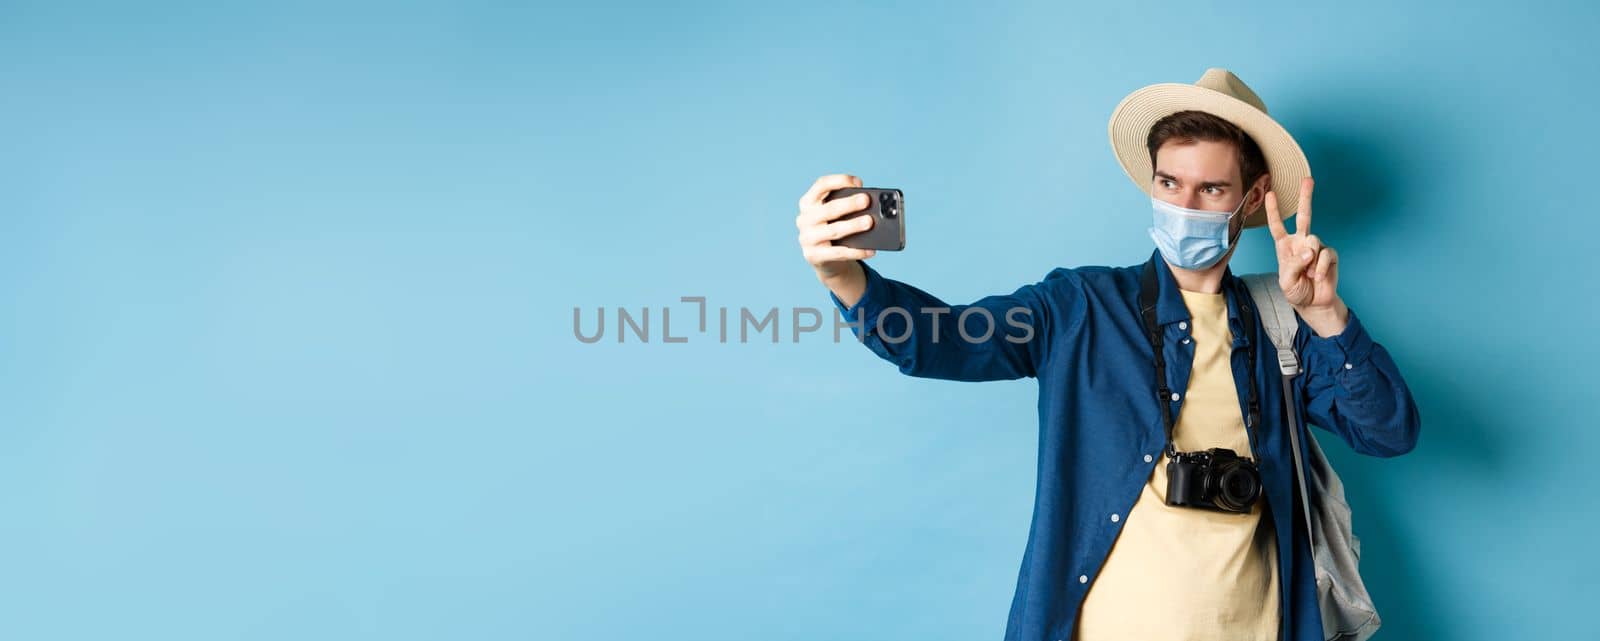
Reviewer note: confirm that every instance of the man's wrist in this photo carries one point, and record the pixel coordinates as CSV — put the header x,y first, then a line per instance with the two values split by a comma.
x,y
1327,320
848,285
835,276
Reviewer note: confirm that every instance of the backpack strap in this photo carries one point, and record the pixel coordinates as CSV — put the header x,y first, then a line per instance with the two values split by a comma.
x,y
1277,318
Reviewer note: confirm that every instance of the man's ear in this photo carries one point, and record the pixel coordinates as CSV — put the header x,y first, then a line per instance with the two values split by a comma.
x,y
1259,190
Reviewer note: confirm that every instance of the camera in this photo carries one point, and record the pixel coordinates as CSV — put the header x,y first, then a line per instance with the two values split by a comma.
x,y
1215,479
888,202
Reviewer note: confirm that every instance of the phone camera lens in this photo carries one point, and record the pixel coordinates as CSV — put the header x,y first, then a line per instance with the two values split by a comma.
x,y
889,205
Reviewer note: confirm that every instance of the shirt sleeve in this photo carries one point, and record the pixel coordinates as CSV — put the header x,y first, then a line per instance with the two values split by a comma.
x,y
1352,387
997,337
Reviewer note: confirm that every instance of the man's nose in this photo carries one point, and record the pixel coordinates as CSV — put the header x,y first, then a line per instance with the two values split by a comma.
x,y
1191,200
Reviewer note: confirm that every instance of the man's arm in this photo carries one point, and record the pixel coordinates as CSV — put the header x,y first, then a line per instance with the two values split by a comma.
x,y
1350,385
1353,388
997,337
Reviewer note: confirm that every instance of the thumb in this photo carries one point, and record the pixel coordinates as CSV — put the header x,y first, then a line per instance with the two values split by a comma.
x,y
1296,264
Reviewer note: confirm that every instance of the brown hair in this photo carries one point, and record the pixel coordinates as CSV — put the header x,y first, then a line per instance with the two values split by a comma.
x,y
1186,127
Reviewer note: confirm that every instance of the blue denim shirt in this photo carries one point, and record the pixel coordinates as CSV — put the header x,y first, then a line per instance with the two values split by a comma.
x,y
1078,331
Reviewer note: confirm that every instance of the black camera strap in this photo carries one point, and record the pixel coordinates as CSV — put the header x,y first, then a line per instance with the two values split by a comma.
x,y
1147,309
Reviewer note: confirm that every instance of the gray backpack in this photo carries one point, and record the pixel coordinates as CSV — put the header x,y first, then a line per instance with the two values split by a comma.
x,y
1347,610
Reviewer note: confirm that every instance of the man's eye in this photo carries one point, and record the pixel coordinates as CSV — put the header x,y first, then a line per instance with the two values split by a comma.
x,y
1215,190
1167,183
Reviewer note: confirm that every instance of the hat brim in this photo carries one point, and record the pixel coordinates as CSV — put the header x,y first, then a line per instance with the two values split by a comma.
x,y
1133,117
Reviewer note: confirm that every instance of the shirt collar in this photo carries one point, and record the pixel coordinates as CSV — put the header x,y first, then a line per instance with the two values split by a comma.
x,y
1170,307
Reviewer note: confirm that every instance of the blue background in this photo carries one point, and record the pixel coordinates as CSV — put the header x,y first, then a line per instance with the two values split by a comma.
x,y
286,344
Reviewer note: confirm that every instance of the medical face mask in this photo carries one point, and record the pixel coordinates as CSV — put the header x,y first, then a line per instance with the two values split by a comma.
x,y
1191,238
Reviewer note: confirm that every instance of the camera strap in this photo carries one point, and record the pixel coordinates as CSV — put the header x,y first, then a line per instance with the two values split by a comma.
x,y
1147,309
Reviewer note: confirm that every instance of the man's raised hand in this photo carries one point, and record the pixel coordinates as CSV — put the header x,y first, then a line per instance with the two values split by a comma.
x,y
818,229
1308,272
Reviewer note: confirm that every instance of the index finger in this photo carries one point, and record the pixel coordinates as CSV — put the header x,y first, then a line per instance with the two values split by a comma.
x,y
1274,218
1302,222
826,184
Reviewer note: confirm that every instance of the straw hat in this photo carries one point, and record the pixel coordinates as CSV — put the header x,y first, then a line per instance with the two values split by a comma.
x,y
1221,94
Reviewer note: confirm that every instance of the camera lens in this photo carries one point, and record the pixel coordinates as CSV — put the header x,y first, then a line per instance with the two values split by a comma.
x,y
1239,486
888,201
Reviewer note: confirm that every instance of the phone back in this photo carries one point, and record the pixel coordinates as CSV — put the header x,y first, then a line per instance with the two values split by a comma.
x,y
888,212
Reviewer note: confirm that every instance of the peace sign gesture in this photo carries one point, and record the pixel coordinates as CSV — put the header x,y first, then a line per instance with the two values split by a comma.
x,y
1308,272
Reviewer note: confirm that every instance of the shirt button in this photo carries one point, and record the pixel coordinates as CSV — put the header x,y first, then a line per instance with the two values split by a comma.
x,y
1115,518
1183,325
1186,341
1083,578
1348,366
1148,458
1174,396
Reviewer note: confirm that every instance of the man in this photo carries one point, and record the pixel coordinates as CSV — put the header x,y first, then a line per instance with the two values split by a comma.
x,y
1112,553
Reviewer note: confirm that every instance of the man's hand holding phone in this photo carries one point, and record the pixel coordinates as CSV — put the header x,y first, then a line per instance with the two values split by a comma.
x,y
819,226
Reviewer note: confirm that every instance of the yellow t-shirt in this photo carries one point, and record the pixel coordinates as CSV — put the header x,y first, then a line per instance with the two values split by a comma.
x,y
1182,572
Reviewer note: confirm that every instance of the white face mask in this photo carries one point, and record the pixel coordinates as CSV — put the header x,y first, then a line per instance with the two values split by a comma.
x,y
1191,238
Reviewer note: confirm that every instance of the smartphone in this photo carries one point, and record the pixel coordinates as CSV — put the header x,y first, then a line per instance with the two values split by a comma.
x,y
887,207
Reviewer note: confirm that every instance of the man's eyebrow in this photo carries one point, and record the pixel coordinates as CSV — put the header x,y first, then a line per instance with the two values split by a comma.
x,y
1213,183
